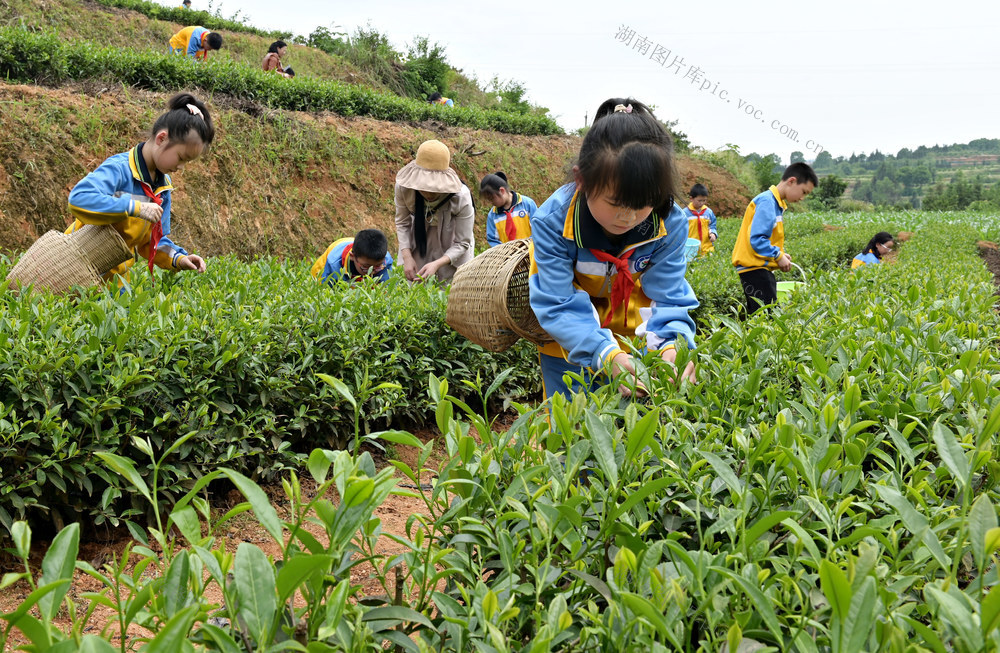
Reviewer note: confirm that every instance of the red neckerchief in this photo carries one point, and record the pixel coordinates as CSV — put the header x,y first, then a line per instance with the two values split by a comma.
x,y
156,232
509,226
621,290
697,216
345,257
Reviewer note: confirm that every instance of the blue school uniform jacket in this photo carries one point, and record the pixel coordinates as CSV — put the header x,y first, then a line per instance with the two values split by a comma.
x,y
335,264
570,289
865,259
521,211
112,195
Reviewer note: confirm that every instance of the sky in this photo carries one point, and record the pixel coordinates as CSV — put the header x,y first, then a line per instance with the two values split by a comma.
x,y
850,76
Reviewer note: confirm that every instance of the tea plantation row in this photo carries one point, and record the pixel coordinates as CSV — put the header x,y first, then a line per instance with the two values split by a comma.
x,y
829,485
32,57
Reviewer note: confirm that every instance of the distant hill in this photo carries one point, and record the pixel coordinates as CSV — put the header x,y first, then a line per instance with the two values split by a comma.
x,y
910,176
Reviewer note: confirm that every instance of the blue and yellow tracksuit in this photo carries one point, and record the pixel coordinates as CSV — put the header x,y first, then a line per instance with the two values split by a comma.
x,y
112,195
335,264
762,235
570,289
867,258
191,42
701,225
520,211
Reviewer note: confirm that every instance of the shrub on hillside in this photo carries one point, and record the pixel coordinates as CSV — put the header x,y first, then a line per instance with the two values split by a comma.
x,y
193,17
31,57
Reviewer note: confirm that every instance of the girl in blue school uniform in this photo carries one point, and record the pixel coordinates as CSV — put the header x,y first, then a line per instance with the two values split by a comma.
x,y
131,191
609,259
880,245
510,217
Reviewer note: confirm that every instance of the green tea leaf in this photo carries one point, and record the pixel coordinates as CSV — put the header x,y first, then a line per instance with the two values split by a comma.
x,y
255,586
58,564
603,447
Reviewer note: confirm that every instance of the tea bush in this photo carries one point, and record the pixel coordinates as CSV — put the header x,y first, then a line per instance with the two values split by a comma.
x,y
831,484
30,57
232,355
191,17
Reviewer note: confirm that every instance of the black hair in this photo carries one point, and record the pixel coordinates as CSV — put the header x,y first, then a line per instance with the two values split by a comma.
x,y
802,172
214,41
434,97
881,238
630,155
277,45
180,120
371,243
698,190
491,184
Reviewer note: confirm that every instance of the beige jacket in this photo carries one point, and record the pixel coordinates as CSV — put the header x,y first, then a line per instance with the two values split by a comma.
x,y
449,230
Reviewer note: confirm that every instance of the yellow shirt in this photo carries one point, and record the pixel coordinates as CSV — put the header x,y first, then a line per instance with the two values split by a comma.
x,y
762,234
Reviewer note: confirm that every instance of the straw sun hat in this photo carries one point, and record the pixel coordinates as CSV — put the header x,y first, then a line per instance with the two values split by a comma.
x,y
430,171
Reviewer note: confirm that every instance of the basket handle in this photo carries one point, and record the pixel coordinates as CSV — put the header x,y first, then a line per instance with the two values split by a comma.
x,y
804,278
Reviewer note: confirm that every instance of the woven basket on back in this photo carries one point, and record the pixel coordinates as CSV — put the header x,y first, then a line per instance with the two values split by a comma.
x,y
102,245
488,300
53,262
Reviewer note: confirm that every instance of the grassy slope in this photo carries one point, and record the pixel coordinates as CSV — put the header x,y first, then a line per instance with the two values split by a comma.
x,y
274,182
88,21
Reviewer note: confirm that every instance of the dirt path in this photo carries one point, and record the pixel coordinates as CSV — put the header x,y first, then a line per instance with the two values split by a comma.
x,y
991,255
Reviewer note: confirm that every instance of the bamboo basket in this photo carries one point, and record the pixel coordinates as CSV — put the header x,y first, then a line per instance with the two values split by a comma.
x,y
55,263
488,300
102,245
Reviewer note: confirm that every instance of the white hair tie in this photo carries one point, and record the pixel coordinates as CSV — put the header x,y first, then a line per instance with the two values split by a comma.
x,y
197,112
621,108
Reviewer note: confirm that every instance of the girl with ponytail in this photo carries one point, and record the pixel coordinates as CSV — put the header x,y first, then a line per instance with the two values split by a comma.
x,y
131,191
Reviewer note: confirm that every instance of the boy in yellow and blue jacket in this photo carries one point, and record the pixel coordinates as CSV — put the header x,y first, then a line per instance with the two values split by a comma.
x,y
701,219
510,217
760,246
349,259
113,194
195,42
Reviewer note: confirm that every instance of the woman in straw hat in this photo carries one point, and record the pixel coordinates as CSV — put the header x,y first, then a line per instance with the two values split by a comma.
x,y
434,215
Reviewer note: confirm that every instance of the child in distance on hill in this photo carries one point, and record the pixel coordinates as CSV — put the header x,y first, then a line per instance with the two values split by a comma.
x,y
701,219
609,253
510,217
437,98
272,60
195,42
131,191
760,246
350,259
880,245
